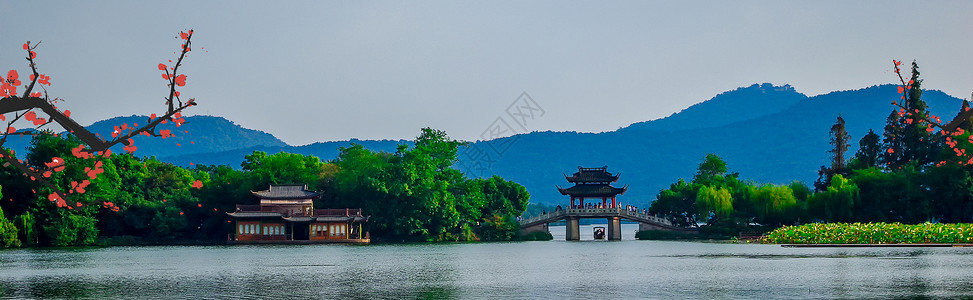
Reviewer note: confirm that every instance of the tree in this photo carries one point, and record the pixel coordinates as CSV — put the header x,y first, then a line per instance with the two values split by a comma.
x,y
677,203
283,168
915,125
712,167
775,205
8,232
714,201
837,203
893,134
949,191
869,151
23,107
415,194
839,138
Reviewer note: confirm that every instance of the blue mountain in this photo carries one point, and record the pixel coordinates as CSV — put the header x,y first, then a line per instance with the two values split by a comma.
x,y
767,147
767,133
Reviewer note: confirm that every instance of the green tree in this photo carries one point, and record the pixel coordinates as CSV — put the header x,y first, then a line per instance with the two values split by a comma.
x,y
713,168
909,135
892,142
27,228
283,168
775,205
949,190
415,194
677,203
714,201
837,203
839,139
869,152
8,232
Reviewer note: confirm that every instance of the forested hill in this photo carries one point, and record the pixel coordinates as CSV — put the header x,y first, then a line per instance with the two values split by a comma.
x,y
323,150
780,147
725,108
767,133
199,134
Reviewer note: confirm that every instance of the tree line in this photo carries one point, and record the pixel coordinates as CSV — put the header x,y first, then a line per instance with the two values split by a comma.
x,y
412,194
911,174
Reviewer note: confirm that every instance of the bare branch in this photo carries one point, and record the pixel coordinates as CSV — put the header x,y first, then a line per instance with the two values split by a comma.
x,y
33,69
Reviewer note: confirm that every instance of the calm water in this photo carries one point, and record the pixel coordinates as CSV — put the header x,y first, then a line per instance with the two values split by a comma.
x,y
551,269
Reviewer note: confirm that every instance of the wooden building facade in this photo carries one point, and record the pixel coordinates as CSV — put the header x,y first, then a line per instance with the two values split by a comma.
x,y
286,214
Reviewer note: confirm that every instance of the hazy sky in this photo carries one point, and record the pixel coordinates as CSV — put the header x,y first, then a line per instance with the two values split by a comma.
x,y
327,70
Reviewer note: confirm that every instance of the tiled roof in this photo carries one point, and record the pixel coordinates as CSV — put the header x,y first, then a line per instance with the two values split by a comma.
x,y
281,192
254,214
592,175
592,190
333,219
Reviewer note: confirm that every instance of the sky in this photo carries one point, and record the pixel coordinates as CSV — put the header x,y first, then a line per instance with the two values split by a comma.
x,y
310,71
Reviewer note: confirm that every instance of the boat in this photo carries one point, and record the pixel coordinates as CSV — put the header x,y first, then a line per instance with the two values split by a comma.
x,y
599,233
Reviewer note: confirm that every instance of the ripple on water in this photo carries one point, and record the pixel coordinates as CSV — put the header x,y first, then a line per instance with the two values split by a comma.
x,y
550,269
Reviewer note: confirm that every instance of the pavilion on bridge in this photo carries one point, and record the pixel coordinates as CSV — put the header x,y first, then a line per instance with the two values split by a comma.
x,y
592,183
286,214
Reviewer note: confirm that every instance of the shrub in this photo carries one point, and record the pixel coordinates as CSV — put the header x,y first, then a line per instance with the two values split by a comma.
x,y
537,236
871,233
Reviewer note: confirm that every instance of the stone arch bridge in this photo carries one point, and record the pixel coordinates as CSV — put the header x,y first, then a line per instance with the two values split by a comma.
x,y
614,216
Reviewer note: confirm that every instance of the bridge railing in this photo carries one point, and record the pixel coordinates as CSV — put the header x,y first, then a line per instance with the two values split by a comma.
x,y
597,211
543,217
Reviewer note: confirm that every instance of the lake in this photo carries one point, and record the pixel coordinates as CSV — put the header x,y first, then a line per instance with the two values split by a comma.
x,y
550,270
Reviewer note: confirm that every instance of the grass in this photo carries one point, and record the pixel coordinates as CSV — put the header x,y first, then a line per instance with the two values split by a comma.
x,y
871,233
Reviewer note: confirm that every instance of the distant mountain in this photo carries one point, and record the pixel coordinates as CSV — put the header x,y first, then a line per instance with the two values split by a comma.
x,y
199,134
725,108
323,150
770,134
780,147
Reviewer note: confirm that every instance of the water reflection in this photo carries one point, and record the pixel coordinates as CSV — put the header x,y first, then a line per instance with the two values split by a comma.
x,y
550,269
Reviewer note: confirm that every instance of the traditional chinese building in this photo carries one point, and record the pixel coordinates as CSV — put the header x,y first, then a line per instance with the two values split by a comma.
x,y
592,183
286,214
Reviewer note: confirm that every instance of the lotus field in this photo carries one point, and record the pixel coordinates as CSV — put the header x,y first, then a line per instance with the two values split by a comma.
x,y
871,233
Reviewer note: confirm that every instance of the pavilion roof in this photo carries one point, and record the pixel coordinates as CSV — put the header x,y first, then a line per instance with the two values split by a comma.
x,y
286,192
254,214
586,175
592,190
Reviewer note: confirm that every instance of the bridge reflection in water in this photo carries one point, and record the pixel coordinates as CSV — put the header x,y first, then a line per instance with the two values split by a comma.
x,y
613,215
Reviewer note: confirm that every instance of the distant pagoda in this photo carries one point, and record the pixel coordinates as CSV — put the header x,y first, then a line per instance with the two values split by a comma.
x,y
592,183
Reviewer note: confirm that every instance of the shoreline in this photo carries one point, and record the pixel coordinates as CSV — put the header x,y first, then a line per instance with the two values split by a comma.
x,y
916,245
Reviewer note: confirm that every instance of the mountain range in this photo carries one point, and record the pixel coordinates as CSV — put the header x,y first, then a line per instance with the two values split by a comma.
x,y
767,133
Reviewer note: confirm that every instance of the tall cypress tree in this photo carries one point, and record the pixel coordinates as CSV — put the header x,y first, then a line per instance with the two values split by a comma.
x,y
839,138
869,151
892,142
908,136
967,125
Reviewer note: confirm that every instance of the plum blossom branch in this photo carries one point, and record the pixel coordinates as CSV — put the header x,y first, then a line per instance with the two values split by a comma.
x,y
23,108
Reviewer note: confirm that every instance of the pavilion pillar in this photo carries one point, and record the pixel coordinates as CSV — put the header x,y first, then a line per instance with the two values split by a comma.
x,y
613,202
572,202
604,202
572,229
614,229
